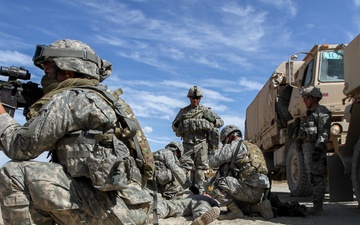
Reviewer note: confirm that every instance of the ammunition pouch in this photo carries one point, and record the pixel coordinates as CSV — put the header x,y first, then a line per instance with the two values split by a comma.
x,y
101,157
189,126
308,130
164,177
245,171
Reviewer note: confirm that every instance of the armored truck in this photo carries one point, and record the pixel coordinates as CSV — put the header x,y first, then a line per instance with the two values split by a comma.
x,y
350,151
271,118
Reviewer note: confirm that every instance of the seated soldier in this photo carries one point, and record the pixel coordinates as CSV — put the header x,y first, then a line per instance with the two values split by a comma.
x,y
171,178
241,182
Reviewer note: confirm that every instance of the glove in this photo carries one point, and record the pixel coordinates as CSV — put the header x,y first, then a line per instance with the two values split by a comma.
x,y
207,115
316,156
187,184
194,190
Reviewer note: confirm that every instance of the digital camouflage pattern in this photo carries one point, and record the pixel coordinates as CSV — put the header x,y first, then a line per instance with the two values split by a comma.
x,y
227,186
193,205
70,110
314,133
315,128
73,55
170,176
312,91
148,164
194,130
47,195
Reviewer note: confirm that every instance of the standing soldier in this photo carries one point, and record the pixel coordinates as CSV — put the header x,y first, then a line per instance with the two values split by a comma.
x,y
171,179
241,183
314,133
197,125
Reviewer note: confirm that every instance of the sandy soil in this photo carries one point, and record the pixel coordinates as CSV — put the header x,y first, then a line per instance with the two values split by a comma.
x,y
336,213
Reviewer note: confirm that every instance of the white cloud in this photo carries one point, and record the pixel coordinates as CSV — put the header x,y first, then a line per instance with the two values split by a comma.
x,y
189,38
357,3
288,6
15,58
249,84
233,120
147,129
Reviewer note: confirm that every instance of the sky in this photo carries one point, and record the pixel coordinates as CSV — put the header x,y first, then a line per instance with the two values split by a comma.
x,y
161,48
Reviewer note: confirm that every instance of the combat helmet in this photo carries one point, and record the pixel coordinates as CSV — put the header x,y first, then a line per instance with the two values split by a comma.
x,y
228,130
195,91
73,55
173,146
312,91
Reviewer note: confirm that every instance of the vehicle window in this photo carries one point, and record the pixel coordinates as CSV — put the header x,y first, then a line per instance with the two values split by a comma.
x,y
331,66
308,74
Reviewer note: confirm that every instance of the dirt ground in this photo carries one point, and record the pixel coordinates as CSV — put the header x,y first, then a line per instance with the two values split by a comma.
x,y
337,213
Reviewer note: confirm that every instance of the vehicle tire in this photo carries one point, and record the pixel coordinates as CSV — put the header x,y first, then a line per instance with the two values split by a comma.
x,y
355,171
283,105
296,175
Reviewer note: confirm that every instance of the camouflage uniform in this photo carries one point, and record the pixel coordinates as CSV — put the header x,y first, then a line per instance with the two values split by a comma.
x,y
313,135
170,176
93,179
193,205
226,188
195,131
316,129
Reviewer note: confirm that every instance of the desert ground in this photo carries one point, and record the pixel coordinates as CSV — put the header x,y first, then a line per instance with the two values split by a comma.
x,y
344,213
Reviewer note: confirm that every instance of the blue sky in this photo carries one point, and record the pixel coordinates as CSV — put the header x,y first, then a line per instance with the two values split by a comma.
x,y
160,48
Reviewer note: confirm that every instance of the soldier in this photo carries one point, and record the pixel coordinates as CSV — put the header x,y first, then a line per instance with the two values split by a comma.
x,y
171,178
314,133
241,183
92,178
202,208
197,125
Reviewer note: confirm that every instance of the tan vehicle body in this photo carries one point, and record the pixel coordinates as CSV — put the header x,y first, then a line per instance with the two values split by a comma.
x,y
350,151
270,118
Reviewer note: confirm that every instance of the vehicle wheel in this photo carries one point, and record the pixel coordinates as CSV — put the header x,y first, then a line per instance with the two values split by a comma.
x,y
283,105
296,175
355,171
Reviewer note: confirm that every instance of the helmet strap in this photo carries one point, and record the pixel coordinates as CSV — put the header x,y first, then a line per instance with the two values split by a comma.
x,y
313,100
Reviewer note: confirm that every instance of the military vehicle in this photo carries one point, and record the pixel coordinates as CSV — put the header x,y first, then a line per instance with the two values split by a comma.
x,y
271,118
350,151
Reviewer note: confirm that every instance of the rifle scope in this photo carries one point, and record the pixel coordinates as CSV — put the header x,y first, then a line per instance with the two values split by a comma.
x,y
15,73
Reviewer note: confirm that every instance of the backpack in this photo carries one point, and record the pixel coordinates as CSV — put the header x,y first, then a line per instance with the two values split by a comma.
x,y
256,157
132,135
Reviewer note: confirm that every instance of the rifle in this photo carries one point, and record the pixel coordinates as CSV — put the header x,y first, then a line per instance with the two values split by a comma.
x,y
15,94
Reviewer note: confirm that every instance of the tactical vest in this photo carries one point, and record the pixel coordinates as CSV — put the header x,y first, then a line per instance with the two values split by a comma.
x,y
193,122
252,162
190,126
308,129
117,154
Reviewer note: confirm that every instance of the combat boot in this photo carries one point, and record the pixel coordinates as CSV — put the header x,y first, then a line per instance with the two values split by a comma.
x,y
208,217
264,208
317,209
233,213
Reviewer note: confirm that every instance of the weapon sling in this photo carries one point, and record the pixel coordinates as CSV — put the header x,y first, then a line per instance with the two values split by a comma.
x,y
232,164
155,214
